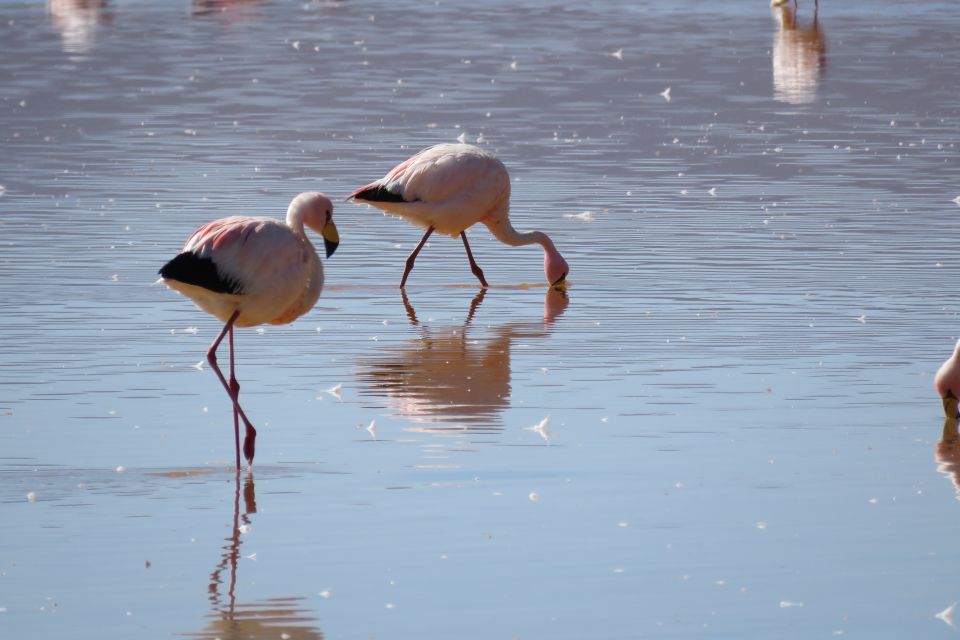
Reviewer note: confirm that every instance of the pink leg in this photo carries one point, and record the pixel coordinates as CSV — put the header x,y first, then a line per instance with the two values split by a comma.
x,y
233,387
250,437
473,263
413,256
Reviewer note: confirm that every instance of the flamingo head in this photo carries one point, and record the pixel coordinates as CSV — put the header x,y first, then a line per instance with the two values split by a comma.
x,y
555,267
316,211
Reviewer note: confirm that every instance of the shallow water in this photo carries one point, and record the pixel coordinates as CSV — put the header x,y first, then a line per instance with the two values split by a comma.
x,y
741,435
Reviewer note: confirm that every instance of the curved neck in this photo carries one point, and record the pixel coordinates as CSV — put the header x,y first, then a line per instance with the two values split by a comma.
x,y
295,219
503,231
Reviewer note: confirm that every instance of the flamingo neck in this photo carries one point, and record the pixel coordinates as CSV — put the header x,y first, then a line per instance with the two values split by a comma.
x,y
295,219
503,231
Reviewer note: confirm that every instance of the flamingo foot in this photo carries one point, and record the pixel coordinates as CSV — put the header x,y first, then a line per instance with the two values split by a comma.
x,y
250,444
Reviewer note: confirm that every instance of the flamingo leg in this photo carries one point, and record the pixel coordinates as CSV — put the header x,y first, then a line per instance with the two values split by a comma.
x,y
250,437
235,390
413,256
232,388
477,271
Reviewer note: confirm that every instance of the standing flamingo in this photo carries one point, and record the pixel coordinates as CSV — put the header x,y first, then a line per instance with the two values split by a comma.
x,y
947,382
449,188
250,271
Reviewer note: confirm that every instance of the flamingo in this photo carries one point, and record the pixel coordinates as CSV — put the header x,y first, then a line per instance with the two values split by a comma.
x,y
249,271
448,188
947,382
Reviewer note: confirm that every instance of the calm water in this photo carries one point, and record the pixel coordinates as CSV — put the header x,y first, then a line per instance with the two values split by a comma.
x,y
741,436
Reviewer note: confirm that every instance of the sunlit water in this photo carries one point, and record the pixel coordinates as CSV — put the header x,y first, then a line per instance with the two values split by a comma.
x,y
741,432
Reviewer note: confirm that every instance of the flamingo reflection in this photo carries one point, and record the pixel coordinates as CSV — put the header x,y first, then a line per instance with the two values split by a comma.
x,y
447,380
947,453
231,10
799,57
270,618
78,21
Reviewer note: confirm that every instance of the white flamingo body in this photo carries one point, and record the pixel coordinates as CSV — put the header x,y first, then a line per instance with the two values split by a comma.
x,y
248,271
273,265
448,188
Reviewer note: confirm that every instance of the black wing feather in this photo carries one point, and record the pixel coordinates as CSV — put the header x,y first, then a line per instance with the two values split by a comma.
x,y
379,194
190,268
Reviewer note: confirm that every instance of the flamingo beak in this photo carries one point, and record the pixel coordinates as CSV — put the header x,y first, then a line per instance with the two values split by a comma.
x,y
331,237
950,406
560,280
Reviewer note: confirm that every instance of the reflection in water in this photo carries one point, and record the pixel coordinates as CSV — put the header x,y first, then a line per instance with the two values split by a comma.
x,y
444,376
232,9
77,21
799,57
948,454
271,618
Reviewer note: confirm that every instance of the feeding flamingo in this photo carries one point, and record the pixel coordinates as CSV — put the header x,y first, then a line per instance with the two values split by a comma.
x,y
448,188
249,271
947,382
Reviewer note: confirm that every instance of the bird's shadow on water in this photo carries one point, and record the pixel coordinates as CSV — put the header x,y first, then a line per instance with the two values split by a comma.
x,y
447,379
230,617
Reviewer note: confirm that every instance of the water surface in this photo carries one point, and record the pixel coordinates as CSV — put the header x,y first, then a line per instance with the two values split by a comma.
x,y
724,427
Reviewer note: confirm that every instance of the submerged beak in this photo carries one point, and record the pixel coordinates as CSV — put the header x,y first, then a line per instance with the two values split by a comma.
x,y
950,406
331,237
559,281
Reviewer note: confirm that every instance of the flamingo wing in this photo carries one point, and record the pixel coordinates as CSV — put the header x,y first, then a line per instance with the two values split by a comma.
x,y
242,256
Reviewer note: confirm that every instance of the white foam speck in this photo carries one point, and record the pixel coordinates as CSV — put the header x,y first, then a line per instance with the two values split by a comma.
x,y
618,54
665,94
947,615
786,604
542,429
335,391
31,497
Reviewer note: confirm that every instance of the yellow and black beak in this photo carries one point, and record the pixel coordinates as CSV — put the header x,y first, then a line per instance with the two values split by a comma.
x,y
331,237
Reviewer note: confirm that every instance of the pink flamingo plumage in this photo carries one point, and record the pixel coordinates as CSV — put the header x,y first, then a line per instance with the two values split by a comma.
x,y
448,188
947,382
250,271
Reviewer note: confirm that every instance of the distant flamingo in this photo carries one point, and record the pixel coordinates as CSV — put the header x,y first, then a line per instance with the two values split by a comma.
x,y
250,271
449,188
947,382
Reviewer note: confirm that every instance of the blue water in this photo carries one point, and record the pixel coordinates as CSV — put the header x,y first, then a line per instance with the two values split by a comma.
x,y
741,431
